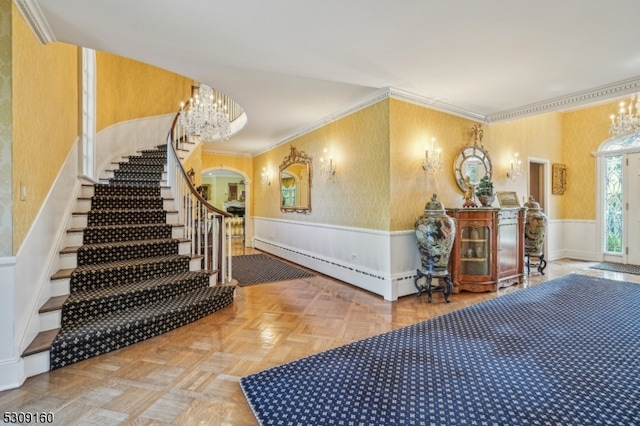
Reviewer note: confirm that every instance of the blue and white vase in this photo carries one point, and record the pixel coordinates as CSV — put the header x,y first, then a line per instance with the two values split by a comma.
x,y
435,233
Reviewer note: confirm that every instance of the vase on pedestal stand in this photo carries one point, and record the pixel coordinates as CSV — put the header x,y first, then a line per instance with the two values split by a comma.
x,y
435,233
535,231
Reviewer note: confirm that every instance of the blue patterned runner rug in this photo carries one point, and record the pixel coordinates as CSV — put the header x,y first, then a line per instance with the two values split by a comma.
x,y
260,268
565,352
618,267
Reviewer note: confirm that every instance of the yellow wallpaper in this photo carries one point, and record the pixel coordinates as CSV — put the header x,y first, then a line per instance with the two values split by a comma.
x,y
358,196
538,136
235,163
45,118
129,89
412,128
195,162
584,130
6,201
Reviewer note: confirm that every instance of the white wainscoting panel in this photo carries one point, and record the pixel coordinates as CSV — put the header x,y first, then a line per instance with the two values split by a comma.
x,y
358,256
130,136
579,240
381,262
37,257
11,366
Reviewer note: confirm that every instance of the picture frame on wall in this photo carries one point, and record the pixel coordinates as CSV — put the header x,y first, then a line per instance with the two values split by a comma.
x,y
559,179
507,199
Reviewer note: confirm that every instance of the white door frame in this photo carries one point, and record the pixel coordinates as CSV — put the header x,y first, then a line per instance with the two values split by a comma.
x,y
600,207
88,137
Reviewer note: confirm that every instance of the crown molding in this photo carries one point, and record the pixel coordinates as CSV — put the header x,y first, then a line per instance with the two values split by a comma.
x,y
574,101
433,104
374,98
31,12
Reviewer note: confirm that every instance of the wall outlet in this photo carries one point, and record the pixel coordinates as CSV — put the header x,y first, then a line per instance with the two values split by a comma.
x,y
23,192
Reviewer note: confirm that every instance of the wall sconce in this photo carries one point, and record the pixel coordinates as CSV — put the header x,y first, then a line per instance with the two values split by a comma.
x,y
515,171
327,165
266,181
432,160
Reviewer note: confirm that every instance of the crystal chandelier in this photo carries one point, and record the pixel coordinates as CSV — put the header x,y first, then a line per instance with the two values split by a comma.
x,y
626,121
206,117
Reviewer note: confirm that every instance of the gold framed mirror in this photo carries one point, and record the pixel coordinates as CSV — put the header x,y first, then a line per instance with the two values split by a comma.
x,y
295,182
472,161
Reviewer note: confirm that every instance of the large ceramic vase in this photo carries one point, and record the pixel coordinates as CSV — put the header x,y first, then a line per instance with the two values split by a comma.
x,y
535,228
435,232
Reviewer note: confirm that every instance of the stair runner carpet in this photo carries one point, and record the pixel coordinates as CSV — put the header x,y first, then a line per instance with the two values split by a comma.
x,y
130,283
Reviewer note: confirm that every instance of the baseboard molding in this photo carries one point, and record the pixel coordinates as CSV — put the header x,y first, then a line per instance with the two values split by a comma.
x,y
11,374
360,277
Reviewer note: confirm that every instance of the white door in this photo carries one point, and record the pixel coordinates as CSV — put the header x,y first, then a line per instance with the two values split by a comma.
x,y
631,233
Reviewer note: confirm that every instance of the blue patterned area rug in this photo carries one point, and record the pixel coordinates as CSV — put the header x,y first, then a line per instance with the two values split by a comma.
x,y
565,352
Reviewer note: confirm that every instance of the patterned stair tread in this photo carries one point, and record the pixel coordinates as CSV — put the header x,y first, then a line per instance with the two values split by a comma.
x,y
82,305
136,181
115,320
123,250
108,274
123,165
132,216
120,329
115,233
126,203
133,262
129,190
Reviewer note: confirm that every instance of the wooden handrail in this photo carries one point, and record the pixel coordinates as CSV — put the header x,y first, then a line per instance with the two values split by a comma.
x,y
201,220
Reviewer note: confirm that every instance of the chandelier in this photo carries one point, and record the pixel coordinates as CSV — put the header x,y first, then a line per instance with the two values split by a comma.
x,y
626,121
206,117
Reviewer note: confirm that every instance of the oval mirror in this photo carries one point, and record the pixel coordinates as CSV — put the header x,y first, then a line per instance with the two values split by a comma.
x,y
474,162
295,182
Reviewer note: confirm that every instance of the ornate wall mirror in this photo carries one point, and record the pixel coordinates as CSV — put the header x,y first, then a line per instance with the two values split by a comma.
x,y
472,161
295,182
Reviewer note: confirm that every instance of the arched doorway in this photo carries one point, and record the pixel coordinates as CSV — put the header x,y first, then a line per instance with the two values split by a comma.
x,y
618,165
229,189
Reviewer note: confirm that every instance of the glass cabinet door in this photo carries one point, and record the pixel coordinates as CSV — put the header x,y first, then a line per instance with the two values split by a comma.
x,y
475,250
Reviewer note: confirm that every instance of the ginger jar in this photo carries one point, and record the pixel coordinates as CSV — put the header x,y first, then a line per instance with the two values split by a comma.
x,y
535,228
435,233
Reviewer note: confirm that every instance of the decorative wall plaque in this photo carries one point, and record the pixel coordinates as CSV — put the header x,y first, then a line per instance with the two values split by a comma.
x,y
559,179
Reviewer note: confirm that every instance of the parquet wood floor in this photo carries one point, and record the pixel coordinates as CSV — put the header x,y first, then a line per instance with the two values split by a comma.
x,y
189,376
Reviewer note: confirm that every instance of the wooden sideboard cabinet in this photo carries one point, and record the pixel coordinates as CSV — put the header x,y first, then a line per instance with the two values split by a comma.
x,y
488,252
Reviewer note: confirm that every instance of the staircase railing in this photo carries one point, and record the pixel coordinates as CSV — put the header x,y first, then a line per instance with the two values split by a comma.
x,y
203,223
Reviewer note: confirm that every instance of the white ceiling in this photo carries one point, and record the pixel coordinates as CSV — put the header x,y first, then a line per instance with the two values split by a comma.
x,y
292,63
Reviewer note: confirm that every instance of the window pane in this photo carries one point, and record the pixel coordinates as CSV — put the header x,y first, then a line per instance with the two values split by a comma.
x,y
613,204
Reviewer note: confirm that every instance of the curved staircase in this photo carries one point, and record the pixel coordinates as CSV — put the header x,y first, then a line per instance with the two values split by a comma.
x,y
132,276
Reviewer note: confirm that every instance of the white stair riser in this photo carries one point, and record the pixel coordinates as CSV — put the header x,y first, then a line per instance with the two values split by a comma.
x,y
37,363
60,287
50,320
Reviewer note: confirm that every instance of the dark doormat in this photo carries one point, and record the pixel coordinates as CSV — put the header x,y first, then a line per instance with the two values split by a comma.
x,y
259,268
618,267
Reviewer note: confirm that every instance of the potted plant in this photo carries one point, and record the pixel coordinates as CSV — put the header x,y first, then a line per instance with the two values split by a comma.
x,y
484,191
